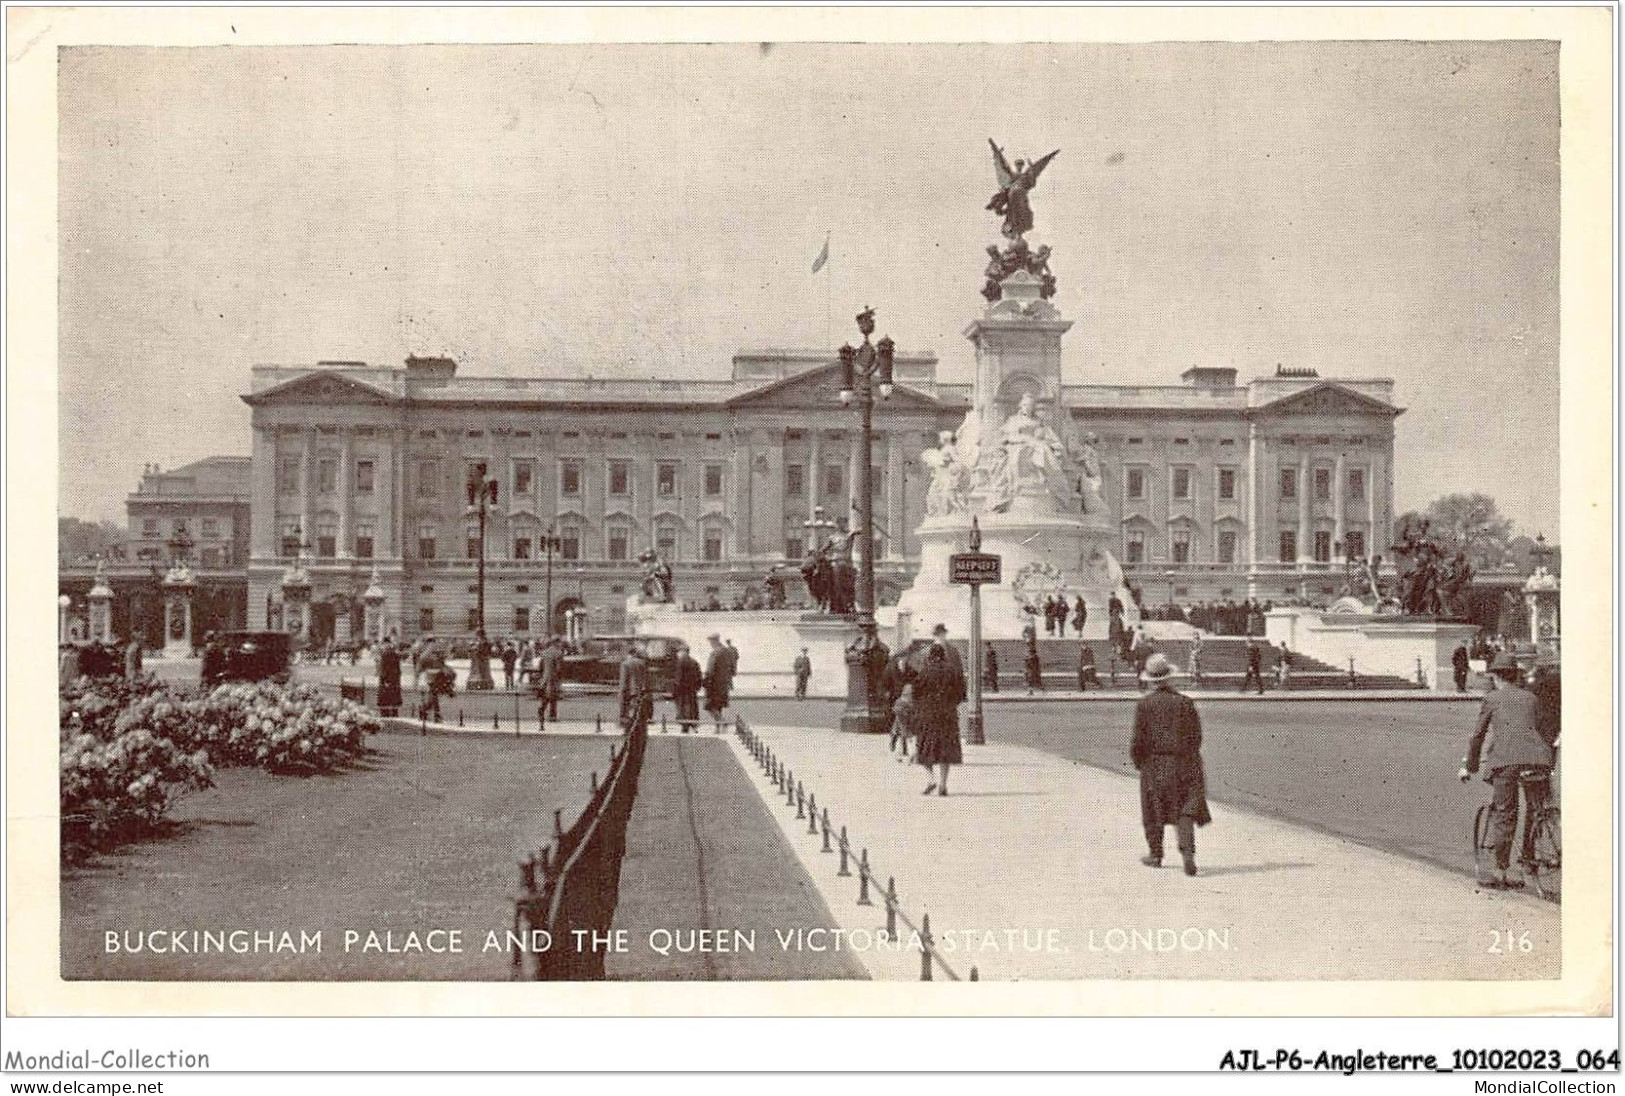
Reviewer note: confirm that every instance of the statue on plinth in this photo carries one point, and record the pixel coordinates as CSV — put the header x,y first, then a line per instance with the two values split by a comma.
x,y
1015,184
949,487
1029,458
657,581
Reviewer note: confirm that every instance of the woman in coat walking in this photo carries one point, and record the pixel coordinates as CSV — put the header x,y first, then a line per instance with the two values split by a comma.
x,y
1167,749
939,687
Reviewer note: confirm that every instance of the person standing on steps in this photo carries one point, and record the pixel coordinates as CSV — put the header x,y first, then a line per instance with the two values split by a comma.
x,y
1167,749
1255,666
1086,668
1080,615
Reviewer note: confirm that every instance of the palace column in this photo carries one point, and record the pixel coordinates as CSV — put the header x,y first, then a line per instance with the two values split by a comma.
x,y
1255,511
815,461
307,485
384,490
262,503
1305,526
1339,525
346,489
741,495
896,523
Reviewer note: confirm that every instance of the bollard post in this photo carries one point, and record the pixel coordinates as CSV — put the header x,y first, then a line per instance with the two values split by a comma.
x,y
891,906
662,722
496,723
826,847
541,717
459,717
558,826
812,815
801,803
863,879
790,786
1351,672
597,722
925,947
974,977
423,722
845,848
594,783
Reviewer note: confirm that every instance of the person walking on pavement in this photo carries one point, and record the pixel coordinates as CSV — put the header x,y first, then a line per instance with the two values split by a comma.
x,y
1140,652
1283,666
1080,615
686,679
1458,666
803,669
1511,718
1255,666
1167,750
716,678
510,659
939,688
637,703
389,679
550,678
1035,667
990,668
1196,659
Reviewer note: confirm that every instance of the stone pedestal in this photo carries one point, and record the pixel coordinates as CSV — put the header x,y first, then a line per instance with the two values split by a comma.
x,y
373,599
296,603
1396,646
1542,597
101,608
178,590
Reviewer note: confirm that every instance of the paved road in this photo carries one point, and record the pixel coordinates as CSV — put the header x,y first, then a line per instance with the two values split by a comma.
x,y
1380,773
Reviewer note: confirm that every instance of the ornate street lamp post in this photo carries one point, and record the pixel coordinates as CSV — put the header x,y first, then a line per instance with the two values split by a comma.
x,y
864,368
482,493
551,542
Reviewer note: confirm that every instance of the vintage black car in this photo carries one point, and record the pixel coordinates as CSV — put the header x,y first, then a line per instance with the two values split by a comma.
x,y
598,661
247,656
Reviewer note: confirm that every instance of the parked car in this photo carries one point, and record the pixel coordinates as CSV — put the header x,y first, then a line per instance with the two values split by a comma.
x,y
598,661
247,656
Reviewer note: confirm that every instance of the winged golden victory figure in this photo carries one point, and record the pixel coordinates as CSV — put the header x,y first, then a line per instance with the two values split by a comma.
x,y
1014,186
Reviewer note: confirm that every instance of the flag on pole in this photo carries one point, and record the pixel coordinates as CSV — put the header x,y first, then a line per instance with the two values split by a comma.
x,y
823,256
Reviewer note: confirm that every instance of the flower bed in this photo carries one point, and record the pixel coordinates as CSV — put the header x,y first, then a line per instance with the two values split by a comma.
x,y
128,749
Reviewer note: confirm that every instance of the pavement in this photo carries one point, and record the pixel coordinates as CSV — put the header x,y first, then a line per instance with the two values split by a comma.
x,y
1029,869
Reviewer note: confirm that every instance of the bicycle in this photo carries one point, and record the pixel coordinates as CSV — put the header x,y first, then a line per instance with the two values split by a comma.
x,y
1540,854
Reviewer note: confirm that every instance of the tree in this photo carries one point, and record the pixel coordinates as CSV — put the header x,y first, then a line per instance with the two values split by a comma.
x,y
78,540
1468,523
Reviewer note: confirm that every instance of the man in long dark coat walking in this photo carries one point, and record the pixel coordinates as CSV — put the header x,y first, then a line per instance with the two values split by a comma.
x,y
1167,749
1255,667
990,668
686,679
716,678
550,678
389,679
637,702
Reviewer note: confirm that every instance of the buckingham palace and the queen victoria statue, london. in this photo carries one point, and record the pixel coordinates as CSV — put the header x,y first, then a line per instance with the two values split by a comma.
x,y
1207,489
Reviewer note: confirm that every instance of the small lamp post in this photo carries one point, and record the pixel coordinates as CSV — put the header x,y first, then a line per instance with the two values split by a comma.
x,y
482,494
863,370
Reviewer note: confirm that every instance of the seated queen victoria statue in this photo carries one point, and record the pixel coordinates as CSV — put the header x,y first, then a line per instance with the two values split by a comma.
x,y
1029,459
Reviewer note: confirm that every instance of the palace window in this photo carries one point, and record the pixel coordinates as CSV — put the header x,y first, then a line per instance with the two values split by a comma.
x,y
363,477
521,618
713,479
428,479
713,545
1182,545
211,528
291,538
793,482
288,481
524,472
1323,547
569,542
1354,544
1289,483
326,475
666,542
1134,548
426,541
834,480
180,527
1134,483
363,540
615,542
1227,547
149,527
327,536
1182,483
620,477
1289,546
793,548
426,619
521,546
1323,484
570,478
666,479
1357,484
1227,484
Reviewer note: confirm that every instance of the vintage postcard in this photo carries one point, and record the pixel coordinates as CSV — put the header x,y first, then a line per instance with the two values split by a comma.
x,y
775,520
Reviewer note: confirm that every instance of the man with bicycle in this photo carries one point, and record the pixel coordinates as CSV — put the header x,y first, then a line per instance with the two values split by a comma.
x,y
1517,745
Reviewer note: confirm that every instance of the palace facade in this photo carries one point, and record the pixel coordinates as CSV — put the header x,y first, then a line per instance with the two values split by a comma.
x,y
1219,488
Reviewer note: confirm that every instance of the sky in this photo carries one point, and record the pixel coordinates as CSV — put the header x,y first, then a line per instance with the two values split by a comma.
x,y
1364,209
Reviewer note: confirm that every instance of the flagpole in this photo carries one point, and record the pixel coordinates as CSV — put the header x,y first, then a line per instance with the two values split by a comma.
x,y
827,277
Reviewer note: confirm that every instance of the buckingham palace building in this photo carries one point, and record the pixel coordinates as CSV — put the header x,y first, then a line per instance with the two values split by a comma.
x,y
1219,488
